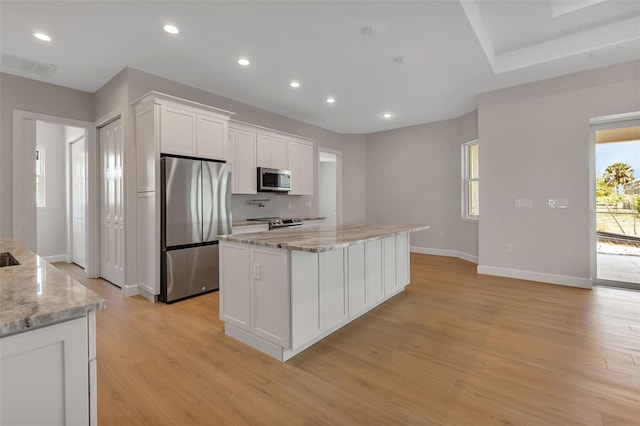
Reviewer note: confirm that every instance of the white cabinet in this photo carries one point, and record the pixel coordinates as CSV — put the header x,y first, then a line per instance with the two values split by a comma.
x,y
306,322
46,375
356,278
148,234
211,136
235,282
301,162
272,151
333,289
254,291
270,302
241,154
374,269
177,130
389,261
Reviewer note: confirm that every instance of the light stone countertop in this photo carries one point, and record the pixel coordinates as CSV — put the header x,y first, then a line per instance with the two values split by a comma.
x,y
321,238
36,294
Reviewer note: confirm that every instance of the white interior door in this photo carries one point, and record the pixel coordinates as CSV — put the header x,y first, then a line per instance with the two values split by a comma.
x,y
328,184
78,202
111,203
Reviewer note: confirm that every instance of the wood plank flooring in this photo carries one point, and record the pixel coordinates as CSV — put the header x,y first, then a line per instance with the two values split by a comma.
x,y
455,348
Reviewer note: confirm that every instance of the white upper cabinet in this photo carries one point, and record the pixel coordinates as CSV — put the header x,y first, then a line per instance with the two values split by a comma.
x,y
272,152
301,159
177,130
241,154
211,134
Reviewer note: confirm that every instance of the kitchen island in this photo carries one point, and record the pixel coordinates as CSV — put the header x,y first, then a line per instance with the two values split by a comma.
x,y
282,291
47,343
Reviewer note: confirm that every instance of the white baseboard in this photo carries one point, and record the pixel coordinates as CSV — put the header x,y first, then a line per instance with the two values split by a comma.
x,y
56,258
146,292
535,276
130,290
449,253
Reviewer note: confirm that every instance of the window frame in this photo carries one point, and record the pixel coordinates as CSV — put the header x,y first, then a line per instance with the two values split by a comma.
x,y
467,180
41,203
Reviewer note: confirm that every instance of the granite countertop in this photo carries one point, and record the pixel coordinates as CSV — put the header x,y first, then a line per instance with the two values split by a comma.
x,y
321,238
244,222
35,294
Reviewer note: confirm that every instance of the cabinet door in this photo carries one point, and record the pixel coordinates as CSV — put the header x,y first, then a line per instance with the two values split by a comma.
x,y
245,167
231,153
210,137
146,158
177,131
45,375
148,246
389,265
356,279
305,298
235,284
333,294
402,259
263,157
279,153
373,276
301,164
270,300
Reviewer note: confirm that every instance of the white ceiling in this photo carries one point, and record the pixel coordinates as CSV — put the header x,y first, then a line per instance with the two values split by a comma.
x,y
453,50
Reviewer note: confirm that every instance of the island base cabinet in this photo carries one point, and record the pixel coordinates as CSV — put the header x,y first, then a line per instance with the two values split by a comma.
x,y
281,302
46,375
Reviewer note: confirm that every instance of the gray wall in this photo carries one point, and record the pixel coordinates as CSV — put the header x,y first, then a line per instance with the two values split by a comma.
x,y
354,179
30,95
52,219
414,177
534,143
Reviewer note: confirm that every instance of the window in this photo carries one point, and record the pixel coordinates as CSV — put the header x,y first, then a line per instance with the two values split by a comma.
x,y
470,181
40,200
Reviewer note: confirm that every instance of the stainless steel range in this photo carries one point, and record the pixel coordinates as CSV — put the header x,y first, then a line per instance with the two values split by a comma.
x,y
277,222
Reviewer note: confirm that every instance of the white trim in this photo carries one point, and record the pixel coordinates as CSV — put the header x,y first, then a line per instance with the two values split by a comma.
x,y
133,289
565,280
608,119
443,252
56,258
465,180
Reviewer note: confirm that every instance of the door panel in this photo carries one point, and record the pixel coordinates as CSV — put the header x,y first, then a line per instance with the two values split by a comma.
x,y
111,203
191,271
78,203
216,200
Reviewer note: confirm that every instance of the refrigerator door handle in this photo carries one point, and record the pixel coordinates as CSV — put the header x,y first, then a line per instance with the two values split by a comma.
x,y
198,211
208,200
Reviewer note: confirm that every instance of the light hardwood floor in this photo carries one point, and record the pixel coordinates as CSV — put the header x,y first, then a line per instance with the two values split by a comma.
x,y
455,348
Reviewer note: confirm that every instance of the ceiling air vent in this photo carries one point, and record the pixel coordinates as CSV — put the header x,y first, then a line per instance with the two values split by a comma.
x,y
25,66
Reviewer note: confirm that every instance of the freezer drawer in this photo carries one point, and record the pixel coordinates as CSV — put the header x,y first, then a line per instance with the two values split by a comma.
x,y
189,271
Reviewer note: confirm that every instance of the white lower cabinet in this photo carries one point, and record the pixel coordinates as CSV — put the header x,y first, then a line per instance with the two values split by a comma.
x,y
356,279
48,375
270,302
281,301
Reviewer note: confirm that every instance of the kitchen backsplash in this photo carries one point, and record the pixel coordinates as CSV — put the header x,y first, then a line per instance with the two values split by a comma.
x,y
280,205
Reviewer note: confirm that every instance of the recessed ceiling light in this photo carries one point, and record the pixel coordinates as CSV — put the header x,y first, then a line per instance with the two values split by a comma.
x,y
294,84
330,100
171,29
244,62
367,31
42,36
398,60
387,115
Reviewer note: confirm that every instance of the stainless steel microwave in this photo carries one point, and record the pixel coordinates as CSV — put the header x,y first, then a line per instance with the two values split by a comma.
x,y
277,180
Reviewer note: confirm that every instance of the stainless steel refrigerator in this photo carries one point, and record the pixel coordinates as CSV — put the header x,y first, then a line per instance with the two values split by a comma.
x,y
196,208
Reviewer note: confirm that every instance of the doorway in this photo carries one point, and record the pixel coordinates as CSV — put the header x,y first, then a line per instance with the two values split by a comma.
x,y
616,194
329,185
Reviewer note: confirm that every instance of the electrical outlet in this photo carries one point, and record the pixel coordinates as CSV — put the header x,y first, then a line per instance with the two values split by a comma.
x,y
508,248
256,271
289,205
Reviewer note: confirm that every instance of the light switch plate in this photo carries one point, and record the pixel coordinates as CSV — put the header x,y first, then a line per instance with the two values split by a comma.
x,y
256,271
524,203
558,203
